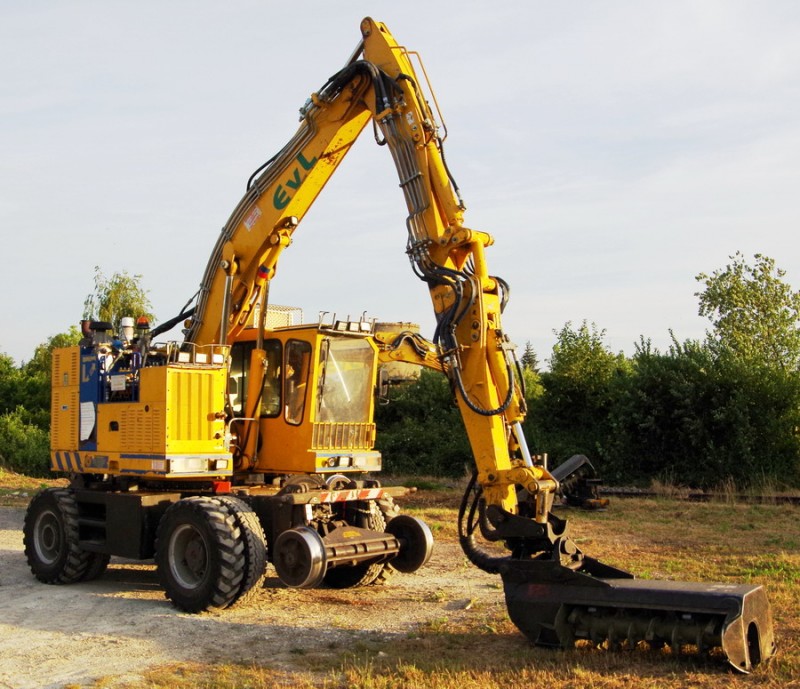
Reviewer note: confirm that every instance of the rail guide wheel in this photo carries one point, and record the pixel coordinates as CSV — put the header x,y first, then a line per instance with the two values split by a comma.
x,y
416,542
299,557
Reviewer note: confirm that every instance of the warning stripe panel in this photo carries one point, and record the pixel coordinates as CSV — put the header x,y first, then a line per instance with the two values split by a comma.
x,y
354,494
66,461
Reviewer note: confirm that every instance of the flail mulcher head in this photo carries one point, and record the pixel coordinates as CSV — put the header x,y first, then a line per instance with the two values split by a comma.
x,y
556,595
555,605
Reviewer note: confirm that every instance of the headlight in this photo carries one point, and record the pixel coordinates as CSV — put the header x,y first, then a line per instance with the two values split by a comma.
x,y
185,465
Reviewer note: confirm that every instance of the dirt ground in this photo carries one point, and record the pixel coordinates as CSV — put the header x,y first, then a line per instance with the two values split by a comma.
x,y
121,624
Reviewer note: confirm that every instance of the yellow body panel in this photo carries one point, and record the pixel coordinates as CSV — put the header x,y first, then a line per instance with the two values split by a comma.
x,y
317,447
66,367
65,399
175,414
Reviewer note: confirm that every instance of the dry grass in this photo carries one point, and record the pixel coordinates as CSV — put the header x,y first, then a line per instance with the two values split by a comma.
x,y
658,538
16,490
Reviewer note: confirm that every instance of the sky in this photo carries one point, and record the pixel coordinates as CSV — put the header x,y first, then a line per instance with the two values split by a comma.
x,y
613,149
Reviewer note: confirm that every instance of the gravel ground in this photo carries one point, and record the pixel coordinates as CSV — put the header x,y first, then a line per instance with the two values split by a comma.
x,y
121,624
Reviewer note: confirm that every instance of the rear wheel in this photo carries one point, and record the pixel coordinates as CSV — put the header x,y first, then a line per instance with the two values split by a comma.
x,y
199,555
51,538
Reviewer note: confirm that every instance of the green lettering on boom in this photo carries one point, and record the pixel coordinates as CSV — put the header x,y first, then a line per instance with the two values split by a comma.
x,y
295,181
307,165
281,198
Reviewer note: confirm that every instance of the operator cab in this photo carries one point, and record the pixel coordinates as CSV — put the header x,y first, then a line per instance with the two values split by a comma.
x,y
315,411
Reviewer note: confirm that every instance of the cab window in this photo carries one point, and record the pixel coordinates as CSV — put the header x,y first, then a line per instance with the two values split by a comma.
x,y
298,363
345,381
240,372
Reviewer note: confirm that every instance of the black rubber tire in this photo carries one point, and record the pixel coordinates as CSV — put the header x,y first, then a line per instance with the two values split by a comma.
x,y
390,509
351,576
199,555
255,546
50,536
98,563
361,574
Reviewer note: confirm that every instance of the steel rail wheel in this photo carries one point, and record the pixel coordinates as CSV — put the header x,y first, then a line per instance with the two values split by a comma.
x,y
416,542
299,557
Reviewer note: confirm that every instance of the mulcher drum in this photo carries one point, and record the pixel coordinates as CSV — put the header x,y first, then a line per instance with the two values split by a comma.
x,y
555,606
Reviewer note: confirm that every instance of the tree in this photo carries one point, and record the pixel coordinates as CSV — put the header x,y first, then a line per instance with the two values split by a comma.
x,y
571,416
35,376
529,359
11,393
116,297
39,363
581,354
754,313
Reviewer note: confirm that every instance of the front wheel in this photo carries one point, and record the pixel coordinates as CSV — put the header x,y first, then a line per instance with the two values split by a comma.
x,y
255,546
50,535
199,555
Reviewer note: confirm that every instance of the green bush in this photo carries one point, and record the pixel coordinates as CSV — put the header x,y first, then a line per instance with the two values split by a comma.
x,y
571,415
420,431
702,417
693,415
24,447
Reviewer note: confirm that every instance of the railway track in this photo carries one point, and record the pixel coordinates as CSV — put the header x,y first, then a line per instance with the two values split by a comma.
x,y
698,496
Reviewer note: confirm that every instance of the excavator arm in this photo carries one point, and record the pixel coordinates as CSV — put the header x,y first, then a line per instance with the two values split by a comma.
x,y
450,259
383,87
555,594
278,195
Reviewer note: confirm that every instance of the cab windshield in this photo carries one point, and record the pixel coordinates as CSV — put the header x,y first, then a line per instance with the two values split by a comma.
x,y
344,385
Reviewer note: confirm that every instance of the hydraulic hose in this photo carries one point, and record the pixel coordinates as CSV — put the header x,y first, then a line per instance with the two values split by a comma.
x,y
480,410
467,525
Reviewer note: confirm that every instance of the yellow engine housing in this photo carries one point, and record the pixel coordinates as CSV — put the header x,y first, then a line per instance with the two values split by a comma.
x,y
174,428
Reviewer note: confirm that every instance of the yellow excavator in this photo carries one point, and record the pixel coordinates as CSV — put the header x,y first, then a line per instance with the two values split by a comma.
x,y
252,440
